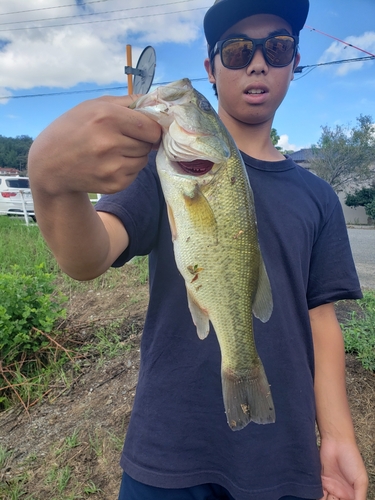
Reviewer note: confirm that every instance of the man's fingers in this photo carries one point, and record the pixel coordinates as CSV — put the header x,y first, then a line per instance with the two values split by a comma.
x,y
131,123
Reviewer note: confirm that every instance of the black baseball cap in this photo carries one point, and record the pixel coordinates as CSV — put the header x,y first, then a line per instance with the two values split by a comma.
x,y
225,13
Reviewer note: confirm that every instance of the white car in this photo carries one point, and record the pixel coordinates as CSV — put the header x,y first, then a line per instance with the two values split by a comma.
x,y
15,196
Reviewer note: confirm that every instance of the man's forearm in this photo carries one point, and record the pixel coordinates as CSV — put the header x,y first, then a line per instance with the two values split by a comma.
x,y
333,413
75,233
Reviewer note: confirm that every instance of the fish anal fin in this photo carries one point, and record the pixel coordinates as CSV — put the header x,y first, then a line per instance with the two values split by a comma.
x,y
200,317
263,303
247,398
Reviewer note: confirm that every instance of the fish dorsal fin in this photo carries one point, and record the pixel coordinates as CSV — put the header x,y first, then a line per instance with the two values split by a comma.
x,y
263,303
200,317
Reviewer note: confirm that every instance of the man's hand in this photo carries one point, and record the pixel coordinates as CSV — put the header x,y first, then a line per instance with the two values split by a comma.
x,y
343,474
97,147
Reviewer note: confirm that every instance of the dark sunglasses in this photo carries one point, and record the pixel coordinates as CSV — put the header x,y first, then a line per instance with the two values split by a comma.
x,y
236,53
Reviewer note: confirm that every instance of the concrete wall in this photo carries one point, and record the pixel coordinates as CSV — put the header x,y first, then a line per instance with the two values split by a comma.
x,y
353,215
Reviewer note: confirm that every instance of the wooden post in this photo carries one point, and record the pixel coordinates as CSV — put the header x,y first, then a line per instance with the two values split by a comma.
x,y
129,63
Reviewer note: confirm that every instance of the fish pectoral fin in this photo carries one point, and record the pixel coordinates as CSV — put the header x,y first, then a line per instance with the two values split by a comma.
x,y
200,317
200,211
263,303
247,398
172,223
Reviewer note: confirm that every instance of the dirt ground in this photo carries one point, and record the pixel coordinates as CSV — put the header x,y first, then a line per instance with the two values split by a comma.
x,y
68,446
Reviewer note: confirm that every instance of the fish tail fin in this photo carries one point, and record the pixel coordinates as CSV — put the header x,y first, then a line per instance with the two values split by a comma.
x,y
247,397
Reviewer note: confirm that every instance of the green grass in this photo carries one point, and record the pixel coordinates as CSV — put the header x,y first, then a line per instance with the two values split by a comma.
x,y
14,489
23,245
359,332
96,443
4,456
91,488
141,264
107,343
69,443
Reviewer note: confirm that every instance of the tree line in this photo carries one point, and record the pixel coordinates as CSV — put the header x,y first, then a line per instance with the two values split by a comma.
x,y
345,157
14,151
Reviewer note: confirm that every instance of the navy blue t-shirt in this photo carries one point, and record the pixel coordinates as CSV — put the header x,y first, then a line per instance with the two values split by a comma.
x,y
178,435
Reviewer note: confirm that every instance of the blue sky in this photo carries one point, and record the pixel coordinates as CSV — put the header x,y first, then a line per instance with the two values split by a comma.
x,y
66,53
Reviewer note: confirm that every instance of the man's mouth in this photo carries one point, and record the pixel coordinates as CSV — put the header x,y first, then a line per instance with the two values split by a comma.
x,y
255,91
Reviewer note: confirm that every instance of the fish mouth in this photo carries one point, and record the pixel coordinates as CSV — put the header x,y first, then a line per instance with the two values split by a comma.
x,y
196,167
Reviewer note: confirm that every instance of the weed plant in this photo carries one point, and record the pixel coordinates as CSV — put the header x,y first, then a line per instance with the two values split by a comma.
x,y
29,309
359,332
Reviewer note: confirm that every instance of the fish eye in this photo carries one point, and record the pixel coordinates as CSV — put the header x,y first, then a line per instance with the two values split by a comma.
x,y
204,105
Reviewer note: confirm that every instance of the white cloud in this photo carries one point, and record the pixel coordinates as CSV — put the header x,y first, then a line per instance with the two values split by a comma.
x,y
4,93
92,53
285,145
339,51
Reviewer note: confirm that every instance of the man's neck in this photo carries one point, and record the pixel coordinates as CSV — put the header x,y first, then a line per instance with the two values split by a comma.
x,y
254,140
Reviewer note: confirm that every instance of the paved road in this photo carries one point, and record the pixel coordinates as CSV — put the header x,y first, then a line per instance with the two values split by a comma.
x,y
362,242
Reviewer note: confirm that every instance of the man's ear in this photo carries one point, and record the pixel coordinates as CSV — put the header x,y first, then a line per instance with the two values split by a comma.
x,y
297,60
210,73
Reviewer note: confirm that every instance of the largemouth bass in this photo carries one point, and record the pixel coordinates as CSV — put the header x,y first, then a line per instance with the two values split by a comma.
x,y
212,219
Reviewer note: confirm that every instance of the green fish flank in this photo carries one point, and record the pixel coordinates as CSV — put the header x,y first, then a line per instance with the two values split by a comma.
x,y
213,224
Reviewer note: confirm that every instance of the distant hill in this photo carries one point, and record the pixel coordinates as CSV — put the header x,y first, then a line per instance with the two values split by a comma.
x,y
14,151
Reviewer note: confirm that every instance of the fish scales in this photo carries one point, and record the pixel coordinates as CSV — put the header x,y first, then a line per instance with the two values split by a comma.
x,y
213,224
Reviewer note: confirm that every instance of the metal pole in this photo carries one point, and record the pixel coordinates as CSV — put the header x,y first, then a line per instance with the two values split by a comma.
x,y
129,63
24,208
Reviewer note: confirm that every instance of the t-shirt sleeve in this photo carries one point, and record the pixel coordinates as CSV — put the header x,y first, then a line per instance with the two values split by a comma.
x,y
138,207
333,275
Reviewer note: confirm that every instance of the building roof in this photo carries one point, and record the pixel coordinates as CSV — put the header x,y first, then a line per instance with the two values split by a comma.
x,y
8,171
303,155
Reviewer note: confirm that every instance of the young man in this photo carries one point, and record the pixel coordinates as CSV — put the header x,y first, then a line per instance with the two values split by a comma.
x,y
178,445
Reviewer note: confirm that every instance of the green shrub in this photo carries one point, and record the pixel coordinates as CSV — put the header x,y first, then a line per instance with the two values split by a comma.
x,y
359,332
28,306
370,209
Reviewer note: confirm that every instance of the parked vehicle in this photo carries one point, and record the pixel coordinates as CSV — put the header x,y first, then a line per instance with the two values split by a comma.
x,y
15,196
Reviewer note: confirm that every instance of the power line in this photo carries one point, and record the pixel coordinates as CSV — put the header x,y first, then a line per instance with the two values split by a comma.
x,y
85,91
123,87
102,20
299,69
311,67
91,13
305,74
49,8
63,92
